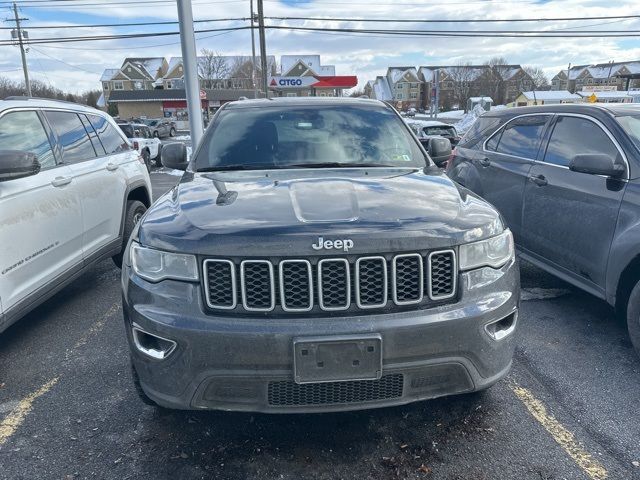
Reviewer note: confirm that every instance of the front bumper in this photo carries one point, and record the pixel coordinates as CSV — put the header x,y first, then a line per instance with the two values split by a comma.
x,y
246,364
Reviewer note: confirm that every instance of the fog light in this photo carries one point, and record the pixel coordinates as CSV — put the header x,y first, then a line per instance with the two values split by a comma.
x,y
151,345
502,328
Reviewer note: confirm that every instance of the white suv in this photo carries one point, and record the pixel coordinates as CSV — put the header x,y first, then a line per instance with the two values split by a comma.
x,y
71,191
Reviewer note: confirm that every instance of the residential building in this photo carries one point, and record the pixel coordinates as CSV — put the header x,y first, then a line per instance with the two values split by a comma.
x,y
405,86
621,75
546,97
409,87
134,74
305,76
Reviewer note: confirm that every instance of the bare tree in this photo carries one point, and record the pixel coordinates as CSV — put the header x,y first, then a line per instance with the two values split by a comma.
x,y
212,67
461,77
540,80
495,81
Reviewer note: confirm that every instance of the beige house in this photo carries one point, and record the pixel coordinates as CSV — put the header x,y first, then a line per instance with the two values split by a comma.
x,y
620,75
546,97
134,74
405,86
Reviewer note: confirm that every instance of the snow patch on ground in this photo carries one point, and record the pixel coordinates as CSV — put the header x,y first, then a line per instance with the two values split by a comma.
x,y
536,293
169,171
182,138
469,119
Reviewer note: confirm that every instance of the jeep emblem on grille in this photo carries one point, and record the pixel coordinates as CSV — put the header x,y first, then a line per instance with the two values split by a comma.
x,y
345,244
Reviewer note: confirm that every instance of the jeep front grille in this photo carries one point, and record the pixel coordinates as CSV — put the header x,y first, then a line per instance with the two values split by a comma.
x,y
289,285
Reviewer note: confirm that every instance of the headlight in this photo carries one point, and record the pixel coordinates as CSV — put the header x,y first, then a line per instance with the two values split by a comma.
x,y
156,265
493,252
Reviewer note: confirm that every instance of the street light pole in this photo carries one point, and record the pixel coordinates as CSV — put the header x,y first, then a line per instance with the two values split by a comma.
x,y
22,52
253,53
263,49
190,63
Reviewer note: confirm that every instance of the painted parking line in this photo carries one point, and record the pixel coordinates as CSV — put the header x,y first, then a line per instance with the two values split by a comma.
x,y
16,417
11,423
560,434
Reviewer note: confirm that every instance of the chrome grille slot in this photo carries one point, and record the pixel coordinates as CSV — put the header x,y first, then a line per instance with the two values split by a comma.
x,y
408,279
441,266
334,284
371,283
220,284
296,286
257,286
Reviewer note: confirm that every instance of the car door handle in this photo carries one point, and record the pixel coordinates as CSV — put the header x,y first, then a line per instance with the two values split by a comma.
x,y
112,166
539,180
485,162
61,181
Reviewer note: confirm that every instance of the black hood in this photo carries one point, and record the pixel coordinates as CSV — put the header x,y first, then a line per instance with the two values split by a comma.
x,y
283,212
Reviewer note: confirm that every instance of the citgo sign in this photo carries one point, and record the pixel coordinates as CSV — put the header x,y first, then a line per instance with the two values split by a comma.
x,y
291,82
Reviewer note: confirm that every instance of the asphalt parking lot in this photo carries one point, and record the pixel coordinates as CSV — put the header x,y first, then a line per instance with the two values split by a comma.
x,y
568,409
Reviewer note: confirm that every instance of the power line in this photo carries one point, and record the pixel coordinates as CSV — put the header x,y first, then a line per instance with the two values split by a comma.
x,y
132,24
65,63
54,6
447,20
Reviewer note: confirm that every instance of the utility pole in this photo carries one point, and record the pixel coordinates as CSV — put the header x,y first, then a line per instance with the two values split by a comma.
x,y
253,53
20,35
568,77
190,62
263,49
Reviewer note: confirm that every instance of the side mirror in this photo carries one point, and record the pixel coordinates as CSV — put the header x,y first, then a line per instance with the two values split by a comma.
x,y
439,150
17,164
596,164
174,155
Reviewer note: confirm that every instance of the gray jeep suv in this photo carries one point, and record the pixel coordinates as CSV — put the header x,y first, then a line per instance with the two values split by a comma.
x,y
312,258
566,179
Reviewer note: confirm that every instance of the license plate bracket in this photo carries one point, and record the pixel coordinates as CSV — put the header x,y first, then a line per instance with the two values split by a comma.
x,y
337,358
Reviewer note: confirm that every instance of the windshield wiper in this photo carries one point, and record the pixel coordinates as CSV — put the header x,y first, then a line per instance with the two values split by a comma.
x,y
335,165
226,168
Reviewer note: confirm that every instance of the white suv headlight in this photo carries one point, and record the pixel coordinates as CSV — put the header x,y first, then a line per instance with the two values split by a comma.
x,y
155,265
493,252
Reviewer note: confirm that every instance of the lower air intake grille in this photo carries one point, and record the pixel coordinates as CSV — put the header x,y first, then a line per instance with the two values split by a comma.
x,y
285,393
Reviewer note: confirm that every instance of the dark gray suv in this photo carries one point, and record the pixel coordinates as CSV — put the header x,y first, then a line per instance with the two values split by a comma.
x,y
566,180
312,258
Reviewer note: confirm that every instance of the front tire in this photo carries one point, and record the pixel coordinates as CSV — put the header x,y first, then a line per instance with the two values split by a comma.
x,y
158,158
172,132
633,317
133,214
146,156
138,388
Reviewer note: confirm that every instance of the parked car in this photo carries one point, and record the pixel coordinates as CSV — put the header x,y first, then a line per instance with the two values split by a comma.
x,y
426,129
319,263
143,141
161,128
71,191
565,178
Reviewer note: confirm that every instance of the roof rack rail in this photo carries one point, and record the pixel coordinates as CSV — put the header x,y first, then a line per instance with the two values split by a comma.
x,y
25,97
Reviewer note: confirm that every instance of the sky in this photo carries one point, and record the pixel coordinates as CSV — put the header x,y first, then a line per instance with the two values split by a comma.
x,y
76,67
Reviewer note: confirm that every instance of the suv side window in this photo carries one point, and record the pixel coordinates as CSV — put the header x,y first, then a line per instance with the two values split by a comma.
x,y
92,135
576,135
74,139
24,131
111,140
521,137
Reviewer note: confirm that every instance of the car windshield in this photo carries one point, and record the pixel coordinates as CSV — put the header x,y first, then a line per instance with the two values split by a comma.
x,y
308,136
151,123
631,125
127,129
442,131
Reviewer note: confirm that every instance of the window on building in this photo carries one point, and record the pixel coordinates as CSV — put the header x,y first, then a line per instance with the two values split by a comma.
x,y
413,95
414,85
398,96
105,85
574,135
521,137
73,137
118,85
169,87
138,85
23,131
